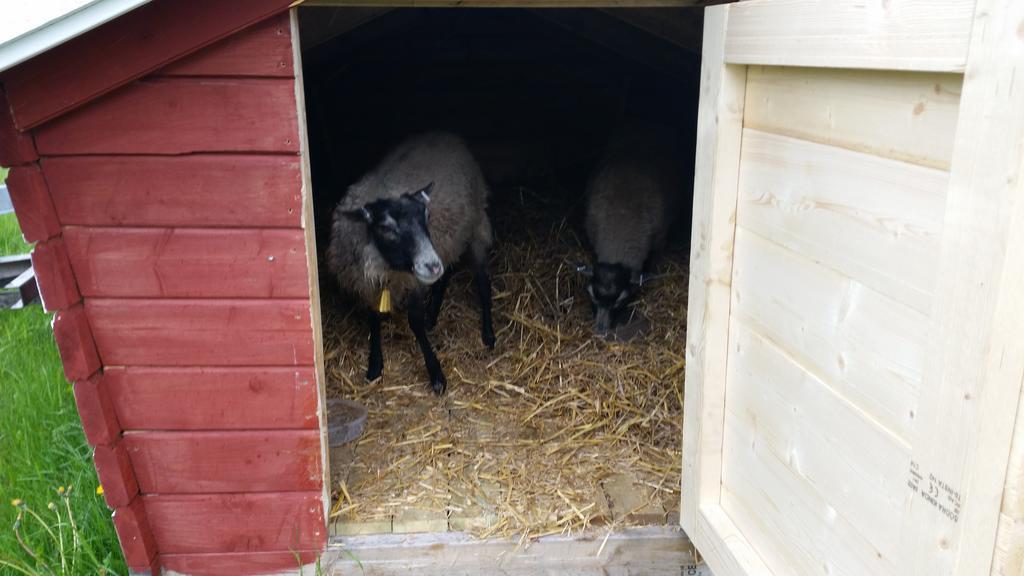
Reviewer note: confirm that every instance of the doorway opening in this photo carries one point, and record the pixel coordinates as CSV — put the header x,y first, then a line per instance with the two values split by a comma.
x,y
557,430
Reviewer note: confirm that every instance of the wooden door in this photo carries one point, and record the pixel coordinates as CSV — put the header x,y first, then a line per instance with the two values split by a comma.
x,y
856,318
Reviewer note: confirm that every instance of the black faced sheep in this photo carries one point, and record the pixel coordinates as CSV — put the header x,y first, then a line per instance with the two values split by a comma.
x,y
632,197
401,225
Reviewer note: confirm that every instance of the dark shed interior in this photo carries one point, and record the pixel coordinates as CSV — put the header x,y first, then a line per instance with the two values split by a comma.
x,y
538,93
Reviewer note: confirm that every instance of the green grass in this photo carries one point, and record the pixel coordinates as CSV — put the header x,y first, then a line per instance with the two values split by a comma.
x,y
10,236
43,450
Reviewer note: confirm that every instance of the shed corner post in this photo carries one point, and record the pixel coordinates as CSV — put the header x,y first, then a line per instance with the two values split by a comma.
x,y
309,229
716,179
966,422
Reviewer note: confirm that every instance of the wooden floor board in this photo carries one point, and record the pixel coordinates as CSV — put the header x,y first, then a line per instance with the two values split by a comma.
x,y
633,503
347,524
651,550
618,501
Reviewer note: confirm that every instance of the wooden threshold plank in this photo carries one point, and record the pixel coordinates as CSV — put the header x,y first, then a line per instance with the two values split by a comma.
x,y
602,514
430,512
671,505
644,550
342,460
420,520
347,523
472,507
349,526
631,503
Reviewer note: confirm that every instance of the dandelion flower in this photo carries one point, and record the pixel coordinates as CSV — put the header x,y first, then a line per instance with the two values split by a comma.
x,y
99,489
51,506
16,502
60,490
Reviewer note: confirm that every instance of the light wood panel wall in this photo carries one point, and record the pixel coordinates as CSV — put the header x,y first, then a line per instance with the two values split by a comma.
x,y
976,342
837,243
841,259
833,276
896,35
890,114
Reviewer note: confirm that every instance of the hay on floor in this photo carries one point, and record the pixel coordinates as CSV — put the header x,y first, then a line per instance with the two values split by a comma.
x,y
526,433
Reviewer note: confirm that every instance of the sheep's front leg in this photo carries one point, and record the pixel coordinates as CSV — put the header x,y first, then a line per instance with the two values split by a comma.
x,y
436,299
417,322
483,291
376,363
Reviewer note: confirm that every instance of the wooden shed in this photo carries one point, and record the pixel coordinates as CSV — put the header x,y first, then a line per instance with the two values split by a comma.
x,y
854,343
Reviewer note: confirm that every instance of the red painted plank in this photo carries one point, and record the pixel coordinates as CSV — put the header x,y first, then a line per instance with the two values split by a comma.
x,y
198,191
75,342
221,523
133,530
261,50
15,147
144,332
32,205
114,469
178,116
211,462
56,281
213,398
96,411
122,50
189,263
239,563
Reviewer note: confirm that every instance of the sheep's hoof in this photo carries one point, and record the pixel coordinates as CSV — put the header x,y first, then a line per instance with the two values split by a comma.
x,y
438,383
374,372
488,339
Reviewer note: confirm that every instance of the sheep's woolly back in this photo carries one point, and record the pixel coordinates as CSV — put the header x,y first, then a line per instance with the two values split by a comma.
x,y
631,199
457,217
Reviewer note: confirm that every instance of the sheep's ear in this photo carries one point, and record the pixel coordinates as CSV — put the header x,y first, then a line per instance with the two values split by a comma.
x,y
423,194
585,270
360,214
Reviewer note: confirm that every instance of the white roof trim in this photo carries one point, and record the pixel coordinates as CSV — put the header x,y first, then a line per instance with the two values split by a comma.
x,y
35,27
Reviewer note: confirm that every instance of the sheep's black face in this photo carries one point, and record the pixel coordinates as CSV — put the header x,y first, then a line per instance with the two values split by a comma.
x,y
398,228
611,288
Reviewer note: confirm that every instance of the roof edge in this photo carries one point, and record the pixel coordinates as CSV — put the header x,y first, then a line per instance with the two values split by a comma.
x,y
61,29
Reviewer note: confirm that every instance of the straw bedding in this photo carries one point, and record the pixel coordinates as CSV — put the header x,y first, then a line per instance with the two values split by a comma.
x,y
527,434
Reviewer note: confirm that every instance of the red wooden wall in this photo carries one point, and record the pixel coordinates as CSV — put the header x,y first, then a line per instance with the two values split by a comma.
x,y
168,221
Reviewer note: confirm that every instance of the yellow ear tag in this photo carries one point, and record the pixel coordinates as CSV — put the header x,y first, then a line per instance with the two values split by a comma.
x,y
384,306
